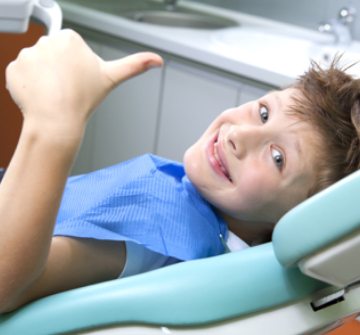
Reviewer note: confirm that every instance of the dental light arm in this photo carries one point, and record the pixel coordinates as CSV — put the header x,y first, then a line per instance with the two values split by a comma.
x,y
15,15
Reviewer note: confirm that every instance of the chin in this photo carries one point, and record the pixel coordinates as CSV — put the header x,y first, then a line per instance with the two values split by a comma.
x,y
189,163
194,168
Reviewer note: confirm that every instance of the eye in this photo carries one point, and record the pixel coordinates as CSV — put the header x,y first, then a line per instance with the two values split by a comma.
x,y
264,114
278,158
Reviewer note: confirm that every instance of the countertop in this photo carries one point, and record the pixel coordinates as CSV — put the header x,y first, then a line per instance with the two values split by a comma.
x,y
266,51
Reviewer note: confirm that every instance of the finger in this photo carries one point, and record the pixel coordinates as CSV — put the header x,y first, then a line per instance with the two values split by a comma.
x,y
8,74
119,70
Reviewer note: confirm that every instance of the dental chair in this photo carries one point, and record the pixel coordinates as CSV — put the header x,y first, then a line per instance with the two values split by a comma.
x,y
304,282
15,15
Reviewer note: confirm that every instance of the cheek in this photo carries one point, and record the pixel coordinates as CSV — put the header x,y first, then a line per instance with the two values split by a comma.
x,y
194,165
250,197
254,193
191,158
193,152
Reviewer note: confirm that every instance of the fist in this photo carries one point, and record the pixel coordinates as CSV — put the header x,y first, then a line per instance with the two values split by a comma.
x,y
60,79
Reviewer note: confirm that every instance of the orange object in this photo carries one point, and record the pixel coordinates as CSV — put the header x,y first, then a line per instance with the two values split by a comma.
x,y
350,327
10,117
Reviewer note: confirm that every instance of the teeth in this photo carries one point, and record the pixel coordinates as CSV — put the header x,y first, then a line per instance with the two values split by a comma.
x,y
216,153
218,160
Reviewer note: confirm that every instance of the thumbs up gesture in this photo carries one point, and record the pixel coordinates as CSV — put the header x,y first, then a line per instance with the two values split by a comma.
x,y
59,81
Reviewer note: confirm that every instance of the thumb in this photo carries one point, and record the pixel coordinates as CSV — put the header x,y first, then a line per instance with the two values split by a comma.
x,y
117,71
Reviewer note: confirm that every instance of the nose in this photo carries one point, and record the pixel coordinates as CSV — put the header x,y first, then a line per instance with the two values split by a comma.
x,y
242,139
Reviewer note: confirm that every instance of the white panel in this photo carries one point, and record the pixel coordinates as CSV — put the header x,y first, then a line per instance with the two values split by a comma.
x,y
192,98
338,265
84,160
126,121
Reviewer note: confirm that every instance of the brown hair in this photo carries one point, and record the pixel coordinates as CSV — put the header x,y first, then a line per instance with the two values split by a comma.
x,y
330,100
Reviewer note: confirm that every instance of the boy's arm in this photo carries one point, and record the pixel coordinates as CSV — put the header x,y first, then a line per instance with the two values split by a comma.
x,y
56,84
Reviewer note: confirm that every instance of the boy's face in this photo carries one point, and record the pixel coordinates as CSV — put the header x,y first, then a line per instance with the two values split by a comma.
x,y
255,161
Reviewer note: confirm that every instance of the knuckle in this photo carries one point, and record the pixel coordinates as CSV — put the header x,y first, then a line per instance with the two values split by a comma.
x,y
71,34
9,67
8,73
69,38
42,40
24,53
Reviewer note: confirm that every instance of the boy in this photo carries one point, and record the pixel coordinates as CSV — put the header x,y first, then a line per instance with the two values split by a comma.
x,y
253,164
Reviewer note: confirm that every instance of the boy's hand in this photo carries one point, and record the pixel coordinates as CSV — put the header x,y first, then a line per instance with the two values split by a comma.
x,y
59,80
56,84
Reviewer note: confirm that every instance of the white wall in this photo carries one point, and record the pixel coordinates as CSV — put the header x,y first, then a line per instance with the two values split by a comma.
x,y
307,13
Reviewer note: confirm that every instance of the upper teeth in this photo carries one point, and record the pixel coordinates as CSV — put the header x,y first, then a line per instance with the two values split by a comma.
x,y
216,152
216,155
218,158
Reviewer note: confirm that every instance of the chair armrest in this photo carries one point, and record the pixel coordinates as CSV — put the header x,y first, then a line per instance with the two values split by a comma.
x,y
191,293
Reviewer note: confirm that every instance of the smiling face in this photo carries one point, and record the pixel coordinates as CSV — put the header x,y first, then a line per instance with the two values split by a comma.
x,y
255,161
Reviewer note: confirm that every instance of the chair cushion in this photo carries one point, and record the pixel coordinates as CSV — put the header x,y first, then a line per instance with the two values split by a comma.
x,y
191,293
319,221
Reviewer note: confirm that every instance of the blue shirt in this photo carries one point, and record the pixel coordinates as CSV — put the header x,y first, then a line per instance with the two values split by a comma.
x,y
148,200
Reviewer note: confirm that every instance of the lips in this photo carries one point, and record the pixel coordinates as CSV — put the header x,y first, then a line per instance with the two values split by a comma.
x,y
217,158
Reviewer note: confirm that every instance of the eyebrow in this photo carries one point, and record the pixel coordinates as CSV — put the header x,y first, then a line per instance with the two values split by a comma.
x,y
277,98
297,151
298,147
279,106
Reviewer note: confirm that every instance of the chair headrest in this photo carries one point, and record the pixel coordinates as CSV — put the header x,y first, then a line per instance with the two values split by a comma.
x,y
321,220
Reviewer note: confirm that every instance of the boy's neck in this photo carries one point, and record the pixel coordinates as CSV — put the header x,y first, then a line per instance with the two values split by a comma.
x,y
252,232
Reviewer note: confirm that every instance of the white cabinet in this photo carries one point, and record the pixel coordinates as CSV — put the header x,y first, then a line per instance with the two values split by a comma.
x,y
250,90
84,160
124,125
193,95
191,99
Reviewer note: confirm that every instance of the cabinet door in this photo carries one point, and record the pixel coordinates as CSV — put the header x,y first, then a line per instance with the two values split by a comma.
x,y
252,91
125,123
192,98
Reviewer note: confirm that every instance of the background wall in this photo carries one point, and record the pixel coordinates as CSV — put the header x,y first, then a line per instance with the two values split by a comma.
x,y
10,116
306,13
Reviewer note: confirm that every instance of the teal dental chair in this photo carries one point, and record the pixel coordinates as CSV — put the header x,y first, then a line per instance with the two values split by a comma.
x,y
304,282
